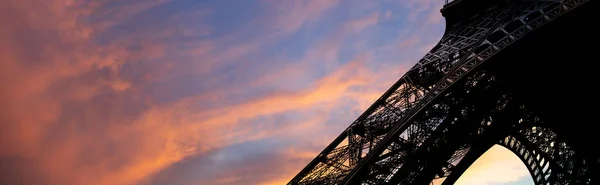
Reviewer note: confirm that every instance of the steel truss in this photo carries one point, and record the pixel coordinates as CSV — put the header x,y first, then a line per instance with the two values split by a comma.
x,y
423,128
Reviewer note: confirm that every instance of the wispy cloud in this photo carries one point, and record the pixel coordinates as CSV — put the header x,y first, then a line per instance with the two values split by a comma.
x,y
292,15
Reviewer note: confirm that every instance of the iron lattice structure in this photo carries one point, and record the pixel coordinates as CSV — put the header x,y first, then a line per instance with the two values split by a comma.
x,y
492,79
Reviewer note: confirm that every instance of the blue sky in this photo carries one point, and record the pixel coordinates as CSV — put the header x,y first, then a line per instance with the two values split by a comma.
x,y
162,92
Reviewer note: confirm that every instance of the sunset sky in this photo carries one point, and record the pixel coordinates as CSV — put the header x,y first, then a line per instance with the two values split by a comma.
x,y
200,92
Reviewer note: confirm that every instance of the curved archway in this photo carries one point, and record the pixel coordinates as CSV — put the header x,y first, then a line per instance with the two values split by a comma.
x,y
498,165
546,158
536,162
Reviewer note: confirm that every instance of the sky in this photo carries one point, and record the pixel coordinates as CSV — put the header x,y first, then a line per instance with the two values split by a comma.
x,y
200,92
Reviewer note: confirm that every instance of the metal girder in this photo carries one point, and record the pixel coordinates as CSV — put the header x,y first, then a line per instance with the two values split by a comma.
x,y
377,146
449,136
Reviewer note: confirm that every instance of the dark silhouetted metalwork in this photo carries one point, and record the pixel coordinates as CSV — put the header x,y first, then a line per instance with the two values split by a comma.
x,y
505,72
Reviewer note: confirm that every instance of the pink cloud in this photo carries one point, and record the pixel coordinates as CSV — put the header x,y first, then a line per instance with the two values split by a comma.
x,y
99,143
291,15
357,25
49,63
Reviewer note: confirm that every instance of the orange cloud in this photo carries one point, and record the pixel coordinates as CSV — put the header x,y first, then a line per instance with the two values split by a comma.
x,y
326,93
23,103
203,131
67,105
48,65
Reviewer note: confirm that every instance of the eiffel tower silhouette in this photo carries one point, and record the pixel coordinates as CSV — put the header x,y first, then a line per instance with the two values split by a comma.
x,y
515,73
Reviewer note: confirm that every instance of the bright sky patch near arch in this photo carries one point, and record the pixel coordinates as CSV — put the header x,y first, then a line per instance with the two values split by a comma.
x,y
159,92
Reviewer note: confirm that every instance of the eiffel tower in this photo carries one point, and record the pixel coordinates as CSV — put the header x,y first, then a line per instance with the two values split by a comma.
x,y
514,73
